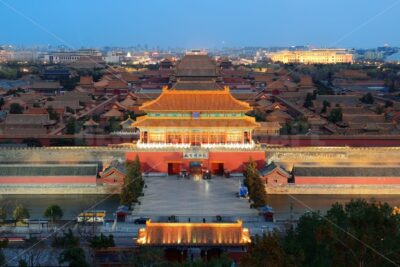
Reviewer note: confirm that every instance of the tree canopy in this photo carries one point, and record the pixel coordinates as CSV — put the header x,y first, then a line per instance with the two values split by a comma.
x,y
102,241
54,212
16,108
254,184
133,183
367,98
20,213
308,103
335,115
358,233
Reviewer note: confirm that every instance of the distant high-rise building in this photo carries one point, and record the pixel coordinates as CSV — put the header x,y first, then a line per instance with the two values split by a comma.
x,y
73,56
315,56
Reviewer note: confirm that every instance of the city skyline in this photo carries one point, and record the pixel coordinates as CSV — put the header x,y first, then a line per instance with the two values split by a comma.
x,y
283,23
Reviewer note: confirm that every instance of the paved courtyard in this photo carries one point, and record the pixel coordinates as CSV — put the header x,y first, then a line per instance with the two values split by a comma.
x,y
165,196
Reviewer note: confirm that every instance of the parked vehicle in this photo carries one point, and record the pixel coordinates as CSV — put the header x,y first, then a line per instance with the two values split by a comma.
x,y
141,220
243,192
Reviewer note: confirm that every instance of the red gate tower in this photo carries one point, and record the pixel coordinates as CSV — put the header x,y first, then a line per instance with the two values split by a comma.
x,y
196,111
196,124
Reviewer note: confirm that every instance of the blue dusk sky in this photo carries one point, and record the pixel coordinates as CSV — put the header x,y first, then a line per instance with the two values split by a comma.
x,y
200,24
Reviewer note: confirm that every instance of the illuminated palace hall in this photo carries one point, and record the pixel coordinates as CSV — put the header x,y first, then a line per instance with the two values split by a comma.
x,y
196,123
196,111
201,117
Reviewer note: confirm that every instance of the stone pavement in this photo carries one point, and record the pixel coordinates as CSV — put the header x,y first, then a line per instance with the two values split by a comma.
x,y
165,196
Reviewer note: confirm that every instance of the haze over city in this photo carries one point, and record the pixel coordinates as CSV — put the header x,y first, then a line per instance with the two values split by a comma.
x,y
201,24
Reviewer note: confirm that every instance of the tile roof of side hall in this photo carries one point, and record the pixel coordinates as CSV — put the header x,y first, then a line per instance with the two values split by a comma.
x,y
196,100
341,171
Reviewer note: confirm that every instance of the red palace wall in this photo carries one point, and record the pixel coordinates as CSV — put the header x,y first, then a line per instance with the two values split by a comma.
x,y
347,180
232,160
48,180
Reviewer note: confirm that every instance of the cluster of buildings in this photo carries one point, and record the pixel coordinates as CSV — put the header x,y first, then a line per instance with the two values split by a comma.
x,y
190,120
314,56
265,101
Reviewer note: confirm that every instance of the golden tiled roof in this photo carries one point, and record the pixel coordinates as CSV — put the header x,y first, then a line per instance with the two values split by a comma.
x,y
197,234
196,100
247,122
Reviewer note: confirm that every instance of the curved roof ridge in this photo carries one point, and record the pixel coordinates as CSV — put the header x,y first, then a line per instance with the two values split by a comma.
x,y
186,100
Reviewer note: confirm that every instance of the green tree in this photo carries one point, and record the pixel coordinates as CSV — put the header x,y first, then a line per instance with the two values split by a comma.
x,y
20,213
388,104
73,126
287,129
16,108
266,251
113,125
2,258
367,98
2,102
339,238
308,103
254,184
3,214
325,105
53,212
70,110
133,183
146,257
68,239
129,114
53,115
3,244
335,115
32,142
102,241
22,263
74,256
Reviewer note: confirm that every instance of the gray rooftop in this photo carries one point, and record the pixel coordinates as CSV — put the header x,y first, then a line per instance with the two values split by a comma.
x,y
359,171
48,170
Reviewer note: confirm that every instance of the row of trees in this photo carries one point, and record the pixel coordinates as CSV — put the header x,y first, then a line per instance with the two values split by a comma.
x,y
53,212
359,233
254,184
133,183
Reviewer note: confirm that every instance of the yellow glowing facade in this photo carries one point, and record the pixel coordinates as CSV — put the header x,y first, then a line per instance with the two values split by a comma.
x,y
193,234
320,56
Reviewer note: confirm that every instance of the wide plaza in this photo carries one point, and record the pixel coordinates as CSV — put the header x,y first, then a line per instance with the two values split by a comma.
x,y
193,198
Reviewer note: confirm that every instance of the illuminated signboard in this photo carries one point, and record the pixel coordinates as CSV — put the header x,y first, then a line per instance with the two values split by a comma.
x,y
195,154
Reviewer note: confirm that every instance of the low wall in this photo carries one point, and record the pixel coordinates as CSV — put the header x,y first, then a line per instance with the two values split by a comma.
x,y
334,190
